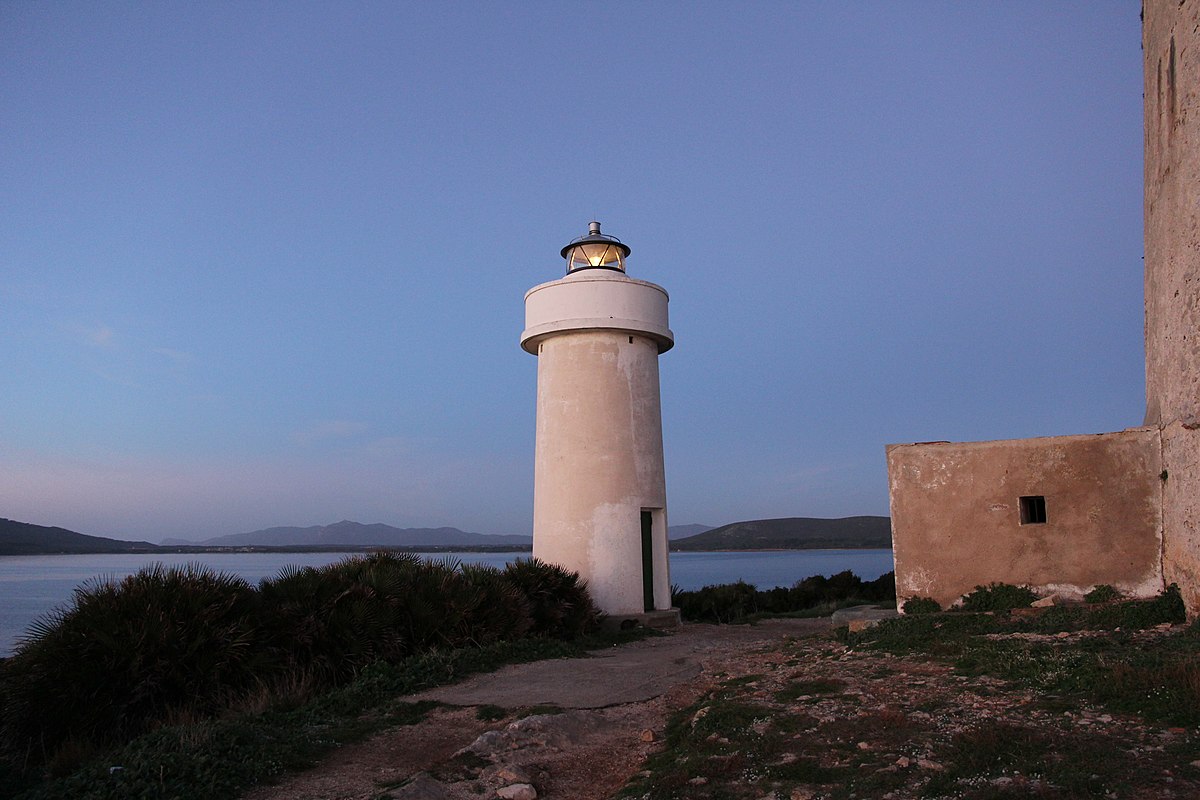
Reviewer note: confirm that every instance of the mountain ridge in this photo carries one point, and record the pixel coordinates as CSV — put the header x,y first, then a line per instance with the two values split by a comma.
x,y
793,533
25,538
356,534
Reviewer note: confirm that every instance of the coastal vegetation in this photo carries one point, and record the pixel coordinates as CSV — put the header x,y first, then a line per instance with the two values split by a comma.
x,y
164,646
1087,700
816,595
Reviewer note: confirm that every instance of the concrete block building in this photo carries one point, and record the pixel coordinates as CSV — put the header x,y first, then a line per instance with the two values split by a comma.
x,y
1063,514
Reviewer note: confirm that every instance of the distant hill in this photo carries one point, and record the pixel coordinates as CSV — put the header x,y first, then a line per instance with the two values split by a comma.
x,y
355,534
27,539
684,531
793,533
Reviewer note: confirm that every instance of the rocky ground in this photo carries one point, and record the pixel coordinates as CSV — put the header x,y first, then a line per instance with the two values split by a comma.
x,y
779,710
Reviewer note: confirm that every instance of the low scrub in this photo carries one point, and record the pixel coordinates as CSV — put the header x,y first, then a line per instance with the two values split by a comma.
x,y
165,645
921,605
1107,665
741,602
998,597
218,759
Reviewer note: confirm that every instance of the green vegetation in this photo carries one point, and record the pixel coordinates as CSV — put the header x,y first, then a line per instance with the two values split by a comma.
x,y
184,645
921,605
998,597
813,596
1160,683
1018,716
218,758
1103,594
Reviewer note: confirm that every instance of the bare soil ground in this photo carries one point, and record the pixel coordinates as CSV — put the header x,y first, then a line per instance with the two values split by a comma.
x,y
779,710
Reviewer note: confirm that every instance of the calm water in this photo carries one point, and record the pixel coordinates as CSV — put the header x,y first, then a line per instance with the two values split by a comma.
x,y
31,586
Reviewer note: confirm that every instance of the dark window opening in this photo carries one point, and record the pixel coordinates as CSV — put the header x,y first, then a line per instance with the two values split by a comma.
x,y
1033,510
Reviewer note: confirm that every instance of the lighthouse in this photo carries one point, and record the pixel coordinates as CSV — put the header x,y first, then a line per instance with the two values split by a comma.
x,y
600,496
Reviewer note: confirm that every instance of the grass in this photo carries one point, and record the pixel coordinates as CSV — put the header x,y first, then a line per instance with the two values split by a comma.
x,y
1125,673
1016,715
219,758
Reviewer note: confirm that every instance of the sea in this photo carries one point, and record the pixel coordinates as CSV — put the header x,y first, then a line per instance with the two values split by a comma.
x,y
34,586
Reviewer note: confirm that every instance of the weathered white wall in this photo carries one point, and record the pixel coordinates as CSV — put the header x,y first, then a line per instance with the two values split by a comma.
x,y
599,462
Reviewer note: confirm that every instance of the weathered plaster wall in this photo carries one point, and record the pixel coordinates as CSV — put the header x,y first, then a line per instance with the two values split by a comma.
x,y
956,515
599,462
1181,511
1171,49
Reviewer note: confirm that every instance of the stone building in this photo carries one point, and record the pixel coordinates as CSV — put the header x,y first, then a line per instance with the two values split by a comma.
x,y
1065,513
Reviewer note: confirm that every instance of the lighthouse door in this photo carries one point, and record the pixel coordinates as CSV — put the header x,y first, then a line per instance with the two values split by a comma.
x,y
647,561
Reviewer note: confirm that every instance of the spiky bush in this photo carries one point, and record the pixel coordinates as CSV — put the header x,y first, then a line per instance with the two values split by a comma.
x,y
124,655
322,625
559,603
501,612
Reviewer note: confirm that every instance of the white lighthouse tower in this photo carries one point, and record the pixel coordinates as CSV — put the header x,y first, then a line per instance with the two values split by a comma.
x,y
600,497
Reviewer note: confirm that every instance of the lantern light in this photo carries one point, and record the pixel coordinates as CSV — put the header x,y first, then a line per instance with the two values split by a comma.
x,y
595,251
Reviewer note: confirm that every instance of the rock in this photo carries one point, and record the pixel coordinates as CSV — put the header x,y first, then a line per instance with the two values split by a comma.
x,y
925,763
647,735
864,746
508,775
801,794
422,787
1105,718
860,625
518,791
903,761
698,781
1045,602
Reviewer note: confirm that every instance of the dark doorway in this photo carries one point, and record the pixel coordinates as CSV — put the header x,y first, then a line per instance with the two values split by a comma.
x,y
647,561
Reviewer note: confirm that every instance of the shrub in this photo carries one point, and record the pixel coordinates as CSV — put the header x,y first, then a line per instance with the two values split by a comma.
x,y
723,603
737,602
500,612
1103,593
124,656
558,600
998,597
921,605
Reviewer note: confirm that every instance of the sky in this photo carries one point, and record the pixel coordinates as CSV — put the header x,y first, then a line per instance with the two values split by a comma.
x,y
264,263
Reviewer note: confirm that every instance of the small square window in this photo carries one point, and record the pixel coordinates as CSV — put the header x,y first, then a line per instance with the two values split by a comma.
x,y
1033,510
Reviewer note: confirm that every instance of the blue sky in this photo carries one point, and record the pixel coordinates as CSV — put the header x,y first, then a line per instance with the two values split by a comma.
x,y
263,263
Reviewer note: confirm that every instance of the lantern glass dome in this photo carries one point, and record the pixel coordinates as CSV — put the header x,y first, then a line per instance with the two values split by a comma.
x,y
595,251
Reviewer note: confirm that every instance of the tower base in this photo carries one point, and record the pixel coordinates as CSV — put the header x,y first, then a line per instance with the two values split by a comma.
x,y
659,620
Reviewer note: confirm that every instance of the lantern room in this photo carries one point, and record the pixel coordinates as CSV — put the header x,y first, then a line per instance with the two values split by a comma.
x,y
595,251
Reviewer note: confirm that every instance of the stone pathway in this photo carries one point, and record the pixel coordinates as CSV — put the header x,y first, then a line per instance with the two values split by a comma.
x,y
608,715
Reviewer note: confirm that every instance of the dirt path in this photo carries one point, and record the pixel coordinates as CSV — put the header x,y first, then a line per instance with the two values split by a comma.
x,y
607,714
